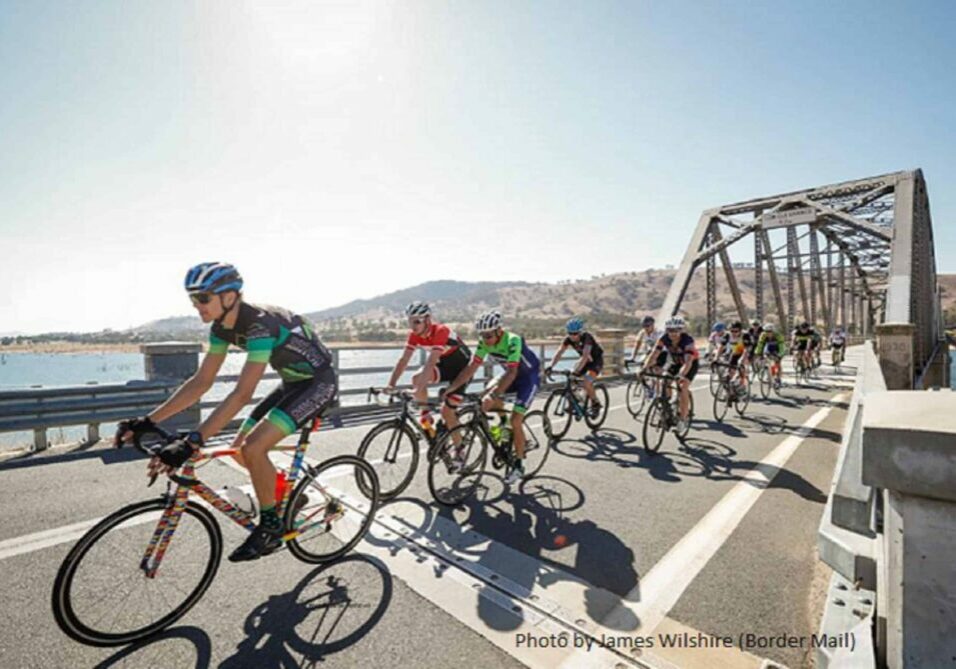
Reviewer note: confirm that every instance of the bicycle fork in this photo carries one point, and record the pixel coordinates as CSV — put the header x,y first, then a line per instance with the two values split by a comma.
x,y
163,534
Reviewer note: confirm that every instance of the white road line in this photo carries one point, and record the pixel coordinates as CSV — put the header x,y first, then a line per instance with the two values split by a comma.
x,y
663,585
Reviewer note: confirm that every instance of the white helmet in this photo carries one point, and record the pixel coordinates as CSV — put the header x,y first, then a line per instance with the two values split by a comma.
x,y
417,309
675,323
769,327
488,321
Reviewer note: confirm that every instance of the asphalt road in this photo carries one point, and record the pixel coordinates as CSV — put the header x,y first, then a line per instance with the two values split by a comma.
x,y
715,537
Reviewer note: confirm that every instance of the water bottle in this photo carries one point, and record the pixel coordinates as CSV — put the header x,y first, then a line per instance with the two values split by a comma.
x,y
240,499
504,435
428,425
495,431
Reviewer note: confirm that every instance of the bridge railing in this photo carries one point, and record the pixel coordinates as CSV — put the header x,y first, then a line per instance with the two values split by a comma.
x,y
168,364
889,527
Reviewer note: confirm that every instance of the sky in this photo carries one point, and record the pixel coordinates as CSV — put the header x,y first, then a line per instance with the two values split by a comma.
x,y
335,151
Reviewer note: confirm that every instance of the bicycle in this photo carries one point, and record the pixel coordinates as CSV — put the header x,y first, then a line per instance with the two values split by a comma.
x,y
769,378
716,375
470,441
837,355
664,414
732,391
132,546
800,368
639,391
398,440
572,403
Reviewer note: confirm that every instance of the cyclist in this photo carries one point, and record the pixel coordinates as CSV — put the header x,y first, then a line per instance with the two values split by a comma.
x,y
816,346
736,345
447,356
684,359
647,339
771,344
713,340
838,344
592,358
800,342
522,374
271,336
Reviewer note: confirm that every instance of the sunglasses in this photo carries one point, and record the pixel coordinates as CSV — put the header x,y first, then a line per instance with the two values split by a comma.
x,y
488,335
200,298
416,321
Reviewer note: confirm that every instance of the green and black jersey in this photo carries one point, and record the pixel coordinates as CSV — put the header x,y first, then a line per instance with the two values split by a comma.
x,y
285,340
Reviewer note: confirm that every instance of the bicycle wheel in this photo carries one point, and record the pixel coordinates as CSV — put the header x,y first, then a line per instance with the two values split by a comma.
x,y
558,411
102,596
450,486
392,450
721,402
341,497
716,377
742,397
595,423
655,425
765,381
636,396
537,444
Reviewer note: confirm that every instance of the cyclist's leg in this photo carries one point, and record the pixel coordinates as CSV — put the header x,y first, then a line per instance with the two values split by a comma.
x,y
420,383
257,414
685,390
526,387
448,369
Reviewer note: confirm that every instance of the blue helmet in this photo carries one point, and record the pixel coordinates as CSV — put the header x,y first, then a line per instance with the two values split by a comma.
x,y
719,326
575,325
213,277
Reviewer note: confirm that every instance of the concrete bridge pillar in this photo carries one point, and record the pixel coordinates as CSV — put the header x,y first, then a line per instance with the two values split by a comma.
x,y
174,362
895,350
909,450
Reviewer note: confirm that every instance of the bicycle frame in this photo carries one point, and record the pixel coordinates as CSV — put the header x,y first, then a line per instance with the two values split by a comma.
x,y
187,482
480,420
569,395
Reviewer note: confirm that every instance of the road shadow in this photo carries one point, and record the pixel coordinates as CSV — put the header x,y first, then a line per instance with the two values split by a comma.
x,y
156,652
329,610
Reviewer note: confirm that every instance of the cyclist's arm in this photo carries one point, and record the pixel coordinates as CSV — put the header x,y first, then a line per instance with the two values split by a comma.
x,y
637,347
558,354
400,367
193,389
240,396
585,359
464,376
651,357
688,361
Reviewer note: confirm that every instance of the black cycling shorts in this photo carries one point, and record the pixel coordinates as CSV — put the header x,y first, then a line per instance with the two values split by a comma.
x,y
594,367
290,406
675,368
452,365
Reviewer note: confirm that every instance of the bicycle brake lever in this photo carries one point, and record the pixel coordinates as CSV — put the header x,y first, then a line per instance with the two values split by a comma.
x,y
152,480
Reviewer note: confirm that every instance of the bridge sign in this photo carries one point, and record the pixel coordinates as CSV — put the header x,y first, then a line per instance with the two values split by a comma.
x,y
798,216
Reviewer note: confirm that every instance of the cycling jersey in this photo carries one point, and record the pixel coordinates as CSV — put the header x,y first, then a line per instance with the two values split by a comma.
x,y
736,345
803,339
677,350
773,343
510,351
837,340
587,339
649,341
274,335
437,337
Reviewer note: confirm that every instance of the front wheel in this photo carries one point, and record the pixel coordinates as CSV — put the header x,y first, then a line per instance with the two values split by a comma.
x,y
559,413
655,425
595,422
721,402
107,594
637,395
392,450
331,509
765,381
459,464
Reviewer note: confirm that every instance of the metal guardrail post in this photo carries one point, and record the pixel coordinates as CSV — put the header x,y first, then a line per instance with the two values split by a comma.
x,y
40,442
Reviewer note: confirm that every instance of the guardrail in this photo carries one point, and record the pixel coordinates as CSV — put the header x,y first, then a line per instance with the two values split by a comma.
x,y
93,405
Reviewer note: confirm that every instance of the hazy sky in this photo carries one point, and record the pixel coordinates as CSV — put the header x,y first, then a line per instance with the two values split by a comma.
x,y
343,150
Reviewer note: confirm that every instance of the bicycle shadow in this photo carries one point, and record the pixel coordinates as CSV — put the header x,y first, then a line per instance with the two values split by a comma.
x,y
334,607
148,653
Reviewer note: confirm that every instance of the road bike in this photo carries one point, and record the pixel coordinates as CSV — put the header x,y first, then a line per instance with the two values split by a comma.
x,y
837,355
571,402
801,369
769,379
664,413
733,391
393,446
461,456
640,391
126,580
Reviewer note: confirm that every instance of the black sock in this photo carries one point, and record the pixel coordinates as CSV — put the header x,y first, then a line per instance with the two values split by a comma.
x,y
270,519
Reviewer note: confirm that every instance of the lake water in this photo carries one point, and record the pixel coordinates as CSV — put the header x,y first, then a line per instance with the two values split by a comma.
x,y
31,370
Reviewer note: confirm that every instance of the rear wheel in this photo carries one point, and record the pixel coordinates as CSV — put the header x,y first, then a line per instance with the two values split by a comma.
x,y
331,508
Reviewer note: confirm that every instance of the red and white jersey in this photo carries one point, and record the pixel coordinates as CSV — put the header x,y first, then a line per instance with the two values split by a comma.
x,y
437,337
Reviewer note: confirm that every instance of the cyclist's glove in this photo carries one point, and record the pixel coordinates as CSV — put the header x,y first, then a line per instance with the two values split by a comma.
x,y
179,451
135,425
548,370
